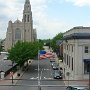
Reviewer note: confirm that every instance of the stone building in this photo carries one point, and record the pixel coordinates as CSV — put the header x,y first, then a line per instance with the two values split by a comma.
x,y
76,53
21,30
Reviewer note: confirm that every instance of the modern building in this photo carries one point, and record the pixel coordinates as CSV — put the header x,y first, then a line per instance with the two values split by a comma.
x,y
21,30
76,53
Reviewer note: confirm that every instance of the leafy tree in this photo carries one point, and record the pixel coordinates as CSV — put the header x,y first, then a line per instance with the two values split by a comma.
x,y
54,41
1,48
23,51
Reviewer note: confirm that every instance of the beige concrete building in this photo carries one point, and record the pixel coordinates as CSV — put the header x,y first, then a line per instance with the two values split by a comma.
x,y
76,53
21,30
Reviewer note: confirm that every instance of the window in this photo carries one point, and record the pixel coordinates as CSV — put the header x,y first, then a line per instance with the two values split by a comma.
x,y
72,48
25,18
67,47
28,18
86,67
72,64
64,57
67,59
86,49
17,34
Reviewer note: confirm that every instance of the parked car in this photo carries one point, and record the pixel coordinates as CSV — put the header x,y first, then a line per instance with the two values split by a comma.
x,y
52,63
55,66
57,74
52,60
77,88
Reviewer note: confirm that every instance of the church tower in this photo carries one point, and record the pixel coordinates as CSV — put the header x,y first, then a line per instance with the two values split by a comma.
x,y
27,21
21,30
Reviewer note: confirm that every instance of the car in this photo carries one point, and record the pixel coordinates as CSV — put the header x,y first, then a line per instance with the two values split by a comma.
x,y
55,66
57,74
52,63
77,88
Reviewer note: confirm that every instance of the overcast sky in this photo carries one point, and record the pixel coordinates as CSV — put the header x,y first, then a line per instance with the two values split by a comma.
x,y
50,17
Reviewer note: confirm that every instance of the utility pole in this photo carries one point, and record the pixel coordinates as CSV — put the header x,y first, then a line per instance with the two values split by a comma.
x,y
39,87
12,72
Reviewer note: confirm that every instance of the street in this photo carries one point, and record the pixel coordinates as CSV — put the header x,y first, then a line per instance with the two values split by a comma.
x,y
29,80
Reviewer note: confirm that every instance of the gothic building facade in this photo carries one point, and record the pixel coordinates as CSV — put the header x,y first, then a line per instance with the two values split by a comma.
x,y
21,30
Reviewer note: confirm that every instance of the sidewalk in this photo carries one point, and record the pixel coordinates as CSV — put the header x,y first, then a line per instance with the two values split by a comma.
x,y
76,82
72,82
8,78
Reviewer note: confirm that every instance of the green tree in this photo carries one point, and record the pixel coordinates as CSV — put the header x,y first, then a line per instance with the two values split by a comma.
x,y
1,48
23,51
54,41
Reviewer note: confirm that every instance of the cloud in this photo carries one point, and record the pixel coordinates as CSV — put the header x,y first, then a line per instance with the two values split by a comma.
x,y
46,28
80,3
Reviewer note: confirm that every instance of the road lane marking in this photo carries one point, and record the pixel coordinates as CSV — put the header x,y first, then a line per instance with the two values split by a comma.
x,y
47,78
34,78
46,69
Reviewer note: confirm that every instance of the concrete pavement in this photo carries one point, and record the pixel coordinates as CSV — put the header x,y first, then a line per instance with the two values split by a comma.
x,y
8,79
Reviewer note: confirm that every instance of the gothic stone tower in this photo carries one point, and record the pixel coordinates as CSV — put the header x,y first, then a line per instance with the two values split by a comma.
x,y
21,30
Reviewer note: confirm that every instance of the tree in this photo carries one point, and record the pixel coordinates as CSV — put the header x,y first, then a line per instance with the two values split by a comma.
x,y
1,48
54,41
23,51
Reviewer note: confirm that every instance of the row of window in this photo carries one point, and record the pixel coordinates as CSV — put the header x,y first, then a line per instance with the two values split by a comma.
x,y
87,49
68,47
26,18
68,60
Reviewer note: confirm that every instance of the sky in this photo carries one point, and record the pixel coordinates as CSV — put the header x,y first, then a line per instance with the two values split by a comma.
x,y
50,17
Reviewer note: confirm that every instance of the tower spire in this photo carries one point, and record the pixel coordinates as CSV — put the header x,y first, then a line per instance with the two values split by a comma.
x,y
27,2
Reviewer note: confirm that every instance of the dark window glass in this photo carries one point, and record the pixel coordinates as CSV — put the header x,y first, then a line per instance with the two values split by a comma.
x,y
67,59
72,64
72,48
86,49
25,18
28,18
17,34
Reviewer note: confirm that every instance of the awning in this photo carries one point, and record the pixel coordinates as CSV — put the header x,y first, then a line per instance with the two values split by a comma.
x,y
86,60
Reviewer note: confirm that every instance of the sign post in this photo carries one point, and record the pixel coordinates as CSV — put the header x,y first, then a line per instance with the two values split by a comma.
x,y
68,74
39,87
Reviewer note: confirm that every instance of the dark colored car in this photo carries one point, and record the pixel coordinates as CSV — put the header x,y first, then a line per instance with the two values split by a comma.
x,y
55,66
57,74
77,88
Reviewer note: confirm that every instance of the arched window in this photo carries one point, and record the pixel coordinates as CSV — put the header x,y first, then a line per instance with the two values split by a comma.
x,y
17,34
25,18
28,18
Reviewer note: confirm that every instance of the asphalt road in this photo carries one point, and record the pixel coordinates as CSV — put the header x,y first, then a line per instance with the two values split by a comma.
x,y
29,81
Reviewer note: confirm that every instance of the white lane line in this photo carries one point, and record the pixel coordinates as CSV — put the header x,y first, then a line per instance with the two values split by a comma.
x,y
34,78
46,69
47,78
41,75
